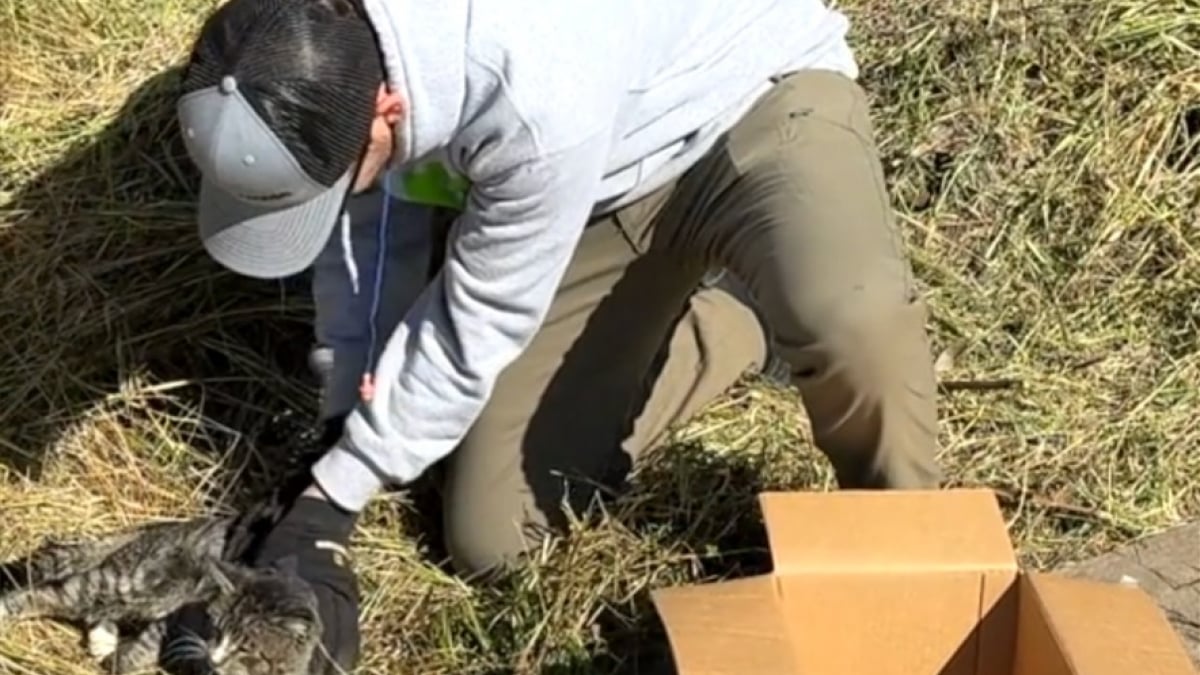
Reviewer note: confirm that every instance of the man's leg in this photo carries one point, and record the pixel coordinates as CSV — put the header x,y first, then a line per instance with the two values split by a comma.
x,y
594,389
794,203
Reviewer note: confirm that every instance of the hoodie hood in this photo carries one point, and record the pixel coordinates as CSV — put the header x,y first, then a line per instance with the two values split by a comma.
x,y
424,51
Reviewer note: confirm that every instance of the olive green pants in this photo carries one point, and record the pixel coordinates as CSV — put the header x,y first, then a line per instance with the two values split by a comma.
x,y
793,204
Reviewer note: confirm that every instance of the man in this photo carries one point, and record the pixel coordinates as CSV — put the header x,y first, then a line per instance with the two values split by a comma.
x,y
600,159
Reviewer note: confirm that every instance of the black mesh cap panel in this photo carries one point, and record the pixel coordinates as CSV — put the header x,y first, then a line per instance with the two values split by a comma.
x,y
310,68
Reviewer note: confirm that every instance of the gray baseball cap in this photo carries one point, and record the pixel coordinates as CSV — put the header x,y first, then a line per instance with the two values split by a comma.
x,y
260,213
275,112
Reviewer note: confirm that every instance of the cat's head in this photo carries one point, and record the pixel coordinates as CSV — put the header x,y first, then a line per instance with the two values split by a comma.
x,y
265,622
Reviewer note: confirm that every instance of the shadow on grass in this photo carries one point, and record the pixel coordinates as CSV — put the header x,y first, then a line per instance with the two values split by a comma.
x,y
697,501
691,516
110,283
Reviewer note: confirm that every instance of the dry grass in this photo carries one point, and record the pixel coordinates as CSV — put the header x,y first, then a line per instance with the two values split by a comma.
x,y
1044,159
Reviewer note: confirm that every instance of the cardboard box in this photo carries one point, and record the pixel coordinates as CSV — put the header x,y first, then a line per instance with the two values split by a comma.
x,y
909,583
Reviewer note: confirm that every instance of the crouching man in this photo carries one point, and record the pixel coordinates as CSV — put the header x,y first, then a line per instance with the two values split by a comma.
x,y
600,159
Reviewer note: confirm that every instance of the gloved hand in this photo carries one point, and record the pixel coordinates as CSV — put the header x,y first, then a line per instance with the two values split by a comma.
x,y
315,532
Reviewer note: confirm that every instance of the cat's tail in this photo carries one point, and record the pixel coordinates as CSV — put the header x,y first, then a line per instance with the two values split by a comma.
x,y
57,559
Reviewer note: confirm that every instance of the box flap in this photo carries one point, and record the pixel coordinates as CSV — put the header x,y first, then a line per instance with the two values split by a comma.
x,y
727,628
848,532
1102,628
1037,652
918,623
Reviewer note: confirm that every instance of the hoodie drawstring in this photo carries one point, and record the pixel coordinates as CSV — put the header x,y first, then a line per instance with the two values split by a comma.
x,y
366,389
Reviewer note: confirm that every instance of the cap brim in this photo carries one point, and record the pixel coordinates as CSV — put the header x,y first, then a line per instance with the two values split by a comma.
x,y
268,243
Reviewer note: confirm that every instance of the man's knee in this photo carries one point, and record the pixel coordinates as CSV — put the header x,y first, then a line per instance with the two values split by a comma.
x,y
472,557
484,536
875,338
866,376
503,497
488,505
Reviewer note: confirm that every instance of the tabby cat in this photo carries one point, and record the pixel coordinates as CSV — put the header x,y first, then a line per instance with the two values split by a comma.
x,y
129,589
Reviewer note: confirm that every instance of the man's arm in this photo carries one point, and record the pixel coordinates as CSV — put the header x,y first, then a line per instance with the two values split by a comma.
x,y
508,252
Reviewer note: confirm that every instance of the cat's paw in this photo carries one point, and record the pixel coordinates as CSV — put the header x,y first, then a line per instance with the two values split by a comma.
x,y
102,640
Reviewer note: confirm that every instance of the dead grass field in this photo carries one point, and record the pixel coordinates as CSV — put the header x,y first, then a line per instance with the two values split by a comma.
x,y
1045,161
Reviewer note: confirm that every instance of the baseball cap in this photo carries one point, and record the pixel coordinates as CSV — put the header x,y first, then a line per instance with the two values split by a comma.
x,y
275,110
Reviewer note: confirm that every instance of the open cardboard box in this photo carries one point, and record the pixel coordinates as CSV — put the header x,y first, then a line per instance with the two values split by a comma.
x,y
909,583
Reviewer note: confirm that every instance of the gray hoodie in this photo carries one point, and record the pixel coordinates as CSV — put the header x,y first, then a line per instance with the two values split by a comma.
x,y
554,111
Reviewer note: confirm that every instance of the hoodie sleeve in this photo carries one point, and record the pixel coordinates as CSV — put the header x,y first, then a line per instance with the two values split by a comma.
x,y
508,253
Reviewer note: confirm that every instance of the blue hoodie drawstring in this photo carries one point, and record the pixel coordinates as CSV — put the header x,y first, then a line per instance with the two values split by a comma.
x,y
366,389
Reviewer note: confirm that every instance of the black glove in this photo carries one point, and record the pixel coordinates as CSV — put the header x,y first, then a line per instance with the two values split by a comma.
x,y
308,540
314,533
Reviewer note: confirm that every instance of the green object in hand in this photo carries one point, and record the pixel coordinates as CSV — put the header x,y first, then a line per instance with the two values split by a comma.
x,y
432,184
